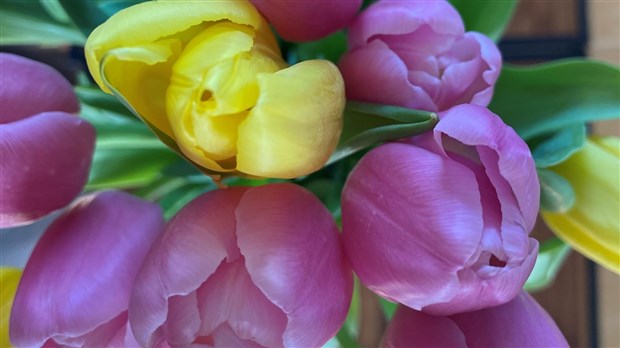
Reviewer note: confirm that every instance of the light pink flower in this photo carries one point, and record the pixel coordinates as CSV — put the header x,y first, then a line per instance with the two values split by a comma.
x,y
440,222
46,149
249,267
76,285
519,323
416,54
307,20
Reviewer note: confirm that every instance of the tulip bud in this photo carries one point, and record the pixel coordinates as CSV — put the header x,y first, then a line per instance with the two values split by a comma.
x,y
416,54
244,267
46,151
521,322
440,222
303,20
210,81
76,285
591,225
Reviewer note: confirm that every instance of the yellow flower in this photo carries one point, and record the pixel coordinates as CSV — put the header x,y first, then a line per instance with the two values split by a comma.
x,y
592,225
9,279
209,79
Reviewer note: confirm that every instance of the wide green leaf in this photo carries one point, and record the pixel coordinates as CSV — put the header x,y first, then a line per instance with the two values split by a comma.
x,y
544,98
556,193
127,154
32,23
557,147
551,256
366,125
489,17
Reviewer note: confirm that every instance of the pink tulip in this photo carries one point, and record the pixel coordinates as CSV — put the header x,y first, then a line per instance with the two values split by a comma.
x,y
307,20
440,222
46,151
519,323
248,267
416,54
76,285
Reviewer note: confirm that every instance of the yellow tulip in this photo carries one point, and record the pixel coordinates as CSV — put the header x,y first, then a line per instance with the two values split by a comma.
x,y
9,279
592,225
209,79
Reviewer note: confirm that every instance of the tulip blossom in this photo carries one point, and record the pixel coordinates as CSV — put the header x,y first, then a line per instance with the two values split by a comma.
x,y
591,226
440,222
252,267
416,54
9,278
308,20
521,322
46,150
76,285
209,79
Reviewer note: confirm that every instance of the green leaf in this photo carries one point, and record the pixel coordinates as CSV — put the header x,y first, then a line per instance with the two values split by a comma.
x,y
489,17
127,154
388,307
559,146
366,125
30,23
331,48
548,97
86,14
556,193
180,197
551,256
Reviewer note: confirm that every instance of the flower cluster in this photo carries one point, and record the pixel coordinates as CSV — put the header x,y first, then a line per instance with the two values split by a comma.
x,y
438,222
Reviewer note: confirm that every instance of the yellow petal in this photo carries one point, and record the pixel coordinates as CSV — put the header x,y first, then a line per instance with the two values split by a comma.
x,y
214,83
9,279
592,226
132,53
296,123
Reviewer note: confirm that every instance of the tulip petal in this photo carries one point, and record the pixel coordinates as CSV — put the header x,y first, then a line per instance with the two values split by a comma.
x,y
230,296
45,164
178,16
389,75
411,328
296,123
9,279
294,238
519,323
183,257
394,17
591,225
107,235
28,87
443,245
492,133
490,54
307,20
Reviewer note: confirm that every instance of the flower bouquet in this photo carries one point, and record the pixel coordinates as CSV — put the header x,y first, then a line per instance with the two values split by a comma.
x,y
247,173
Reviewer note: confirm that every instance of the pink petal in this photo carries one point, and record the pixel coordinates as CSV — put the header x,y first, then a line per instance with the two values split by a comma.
x,y
308,20
45,164
194,244
230,296
293,254
518,323
394,17
491,55
76,285
515,166
28,87
419,236
374,73
411,328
